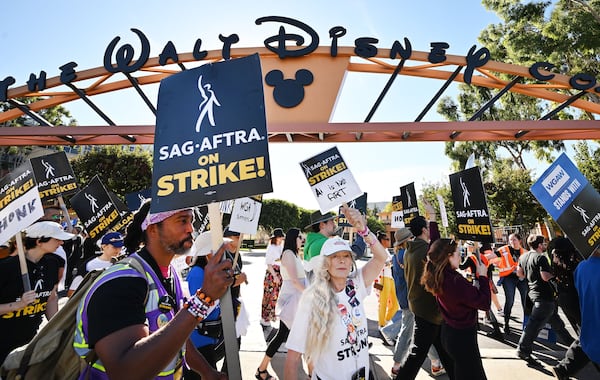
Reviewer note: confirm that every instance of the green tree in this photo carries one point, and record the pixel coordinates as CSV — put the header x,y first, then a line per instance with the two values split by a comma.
x,y
430,192
279,213
509,200
587,160
375,224
120,170
564,33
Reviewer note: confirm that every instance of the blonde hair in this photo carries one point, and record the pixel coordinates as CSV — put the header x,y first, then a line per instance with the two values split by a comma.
x,y
323,310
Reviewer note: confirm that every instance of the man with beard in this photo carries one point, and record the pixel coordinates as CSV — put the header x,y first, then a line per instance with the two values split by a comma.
x,y
134,321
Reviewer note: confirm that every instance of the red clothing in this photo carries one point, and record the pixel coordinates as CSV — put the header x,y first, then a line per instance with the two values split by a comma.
x,y
461,300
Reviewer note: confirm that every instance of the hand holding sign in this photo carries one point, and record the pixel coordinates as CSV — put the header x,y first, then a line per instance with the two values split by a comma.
x,y
355,217
218,275
430,213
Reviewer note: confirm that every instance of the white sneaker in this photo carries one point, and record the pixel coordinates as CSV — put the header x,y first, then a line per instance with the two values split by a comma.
x,y
386,339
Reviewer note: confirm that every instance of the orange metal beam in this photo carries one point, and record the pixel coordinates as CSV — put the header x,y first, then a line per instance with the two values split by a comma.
x,y
331,132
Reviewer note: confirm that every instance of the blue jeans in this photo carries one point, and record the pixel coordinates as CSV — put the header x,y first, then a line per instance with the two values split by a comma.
x,y
405,334
510,284
540,314
392,330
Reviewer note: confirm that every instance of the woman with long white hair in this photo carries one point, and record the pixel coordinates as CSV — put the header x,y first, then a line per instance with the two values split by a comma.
x,y
330,328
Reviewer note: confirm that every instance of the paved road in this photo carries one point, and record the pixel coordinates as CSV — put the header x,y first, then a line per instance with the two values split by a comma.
x,y
499,358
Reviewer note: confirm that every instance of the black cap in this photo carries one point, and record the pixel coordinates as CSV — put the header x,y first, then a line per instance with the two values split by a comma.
x,y
417,224
485,247
317,217
278,232
229,233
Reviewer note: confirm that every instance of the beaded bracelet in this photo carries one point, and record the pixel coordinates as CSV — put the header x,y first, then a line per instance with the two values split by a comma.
x,y
364,232
372,239
200,305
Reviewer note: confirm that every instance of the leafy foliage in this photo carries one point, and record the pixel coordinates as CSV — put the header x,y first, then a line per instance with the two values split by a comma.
x,y
509,200
564,33
430,192
587,160
121,171
375,224
279,213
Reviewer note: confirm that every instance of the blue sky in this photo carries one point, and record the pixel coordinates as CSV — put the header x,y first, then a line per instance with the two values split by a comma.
x,y
43,35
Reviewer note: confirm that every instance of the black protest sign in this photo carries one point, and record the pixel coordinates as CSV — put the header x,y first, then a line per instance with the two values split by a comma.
x,y
359,203
397,213
95,208
54,175
20,204
581,221
410,207
470,206
211,136
124,213
330,179
201,219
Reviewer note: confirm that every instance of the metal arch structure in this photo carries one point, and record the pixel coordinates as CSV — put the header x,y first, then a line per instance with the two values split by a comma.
x,y
310,120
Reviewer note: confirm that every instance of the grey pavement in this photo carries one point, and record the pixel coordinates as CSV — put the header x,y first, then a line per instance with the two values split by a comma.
x,y
499,358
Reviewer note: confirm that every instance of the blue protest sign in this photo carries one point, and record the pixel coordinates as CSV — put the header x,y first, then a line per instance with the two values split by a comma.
x,y
572,201
558,186
134,200
211,136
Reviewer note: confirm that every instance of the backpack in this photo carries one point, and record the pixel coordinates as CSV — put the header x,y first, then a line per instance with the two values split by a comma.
x,y
50,354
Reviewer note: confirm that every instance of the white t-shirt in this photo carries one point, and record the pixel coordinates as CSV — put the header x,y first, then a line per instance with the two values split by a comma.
x,y
93,264
60,251
340,359
273,254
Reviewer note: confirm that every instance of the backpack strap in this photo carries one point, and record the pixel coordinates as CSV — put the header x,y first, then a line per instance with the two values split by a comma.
x,y
134,262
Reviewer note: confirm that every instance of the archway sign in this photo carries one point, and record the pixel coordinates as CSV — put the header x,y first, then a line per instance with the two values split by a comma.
x,y
302,80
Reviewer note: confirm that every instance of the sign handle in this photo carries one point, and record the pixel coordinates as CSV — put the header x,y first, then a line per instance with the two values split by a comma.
x,y
63,207
22,262
476,252
232,352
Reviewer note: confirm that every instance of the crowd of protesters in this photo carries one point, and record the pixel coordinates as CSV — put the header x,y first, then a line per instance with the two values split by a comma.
x,y
313,291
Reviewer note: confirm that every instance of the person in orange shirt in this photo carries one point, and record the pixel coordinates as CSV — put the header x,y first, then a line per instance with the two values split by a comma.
x,y
507,263
470,265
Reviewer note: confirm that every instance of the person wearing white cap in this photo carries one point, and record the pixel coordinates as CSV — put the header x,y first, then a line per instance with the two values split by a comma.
x,y
330,327
111,245
21,312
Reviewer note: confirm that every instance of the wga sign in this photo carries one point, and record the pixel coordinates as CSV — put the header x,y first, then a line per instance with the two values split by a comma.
x,y
572,202
555,180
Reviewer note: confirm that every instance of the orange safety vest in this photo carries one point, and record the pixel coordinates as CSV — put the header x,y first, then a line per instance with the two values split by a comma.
x,y
484,261
507,264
